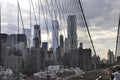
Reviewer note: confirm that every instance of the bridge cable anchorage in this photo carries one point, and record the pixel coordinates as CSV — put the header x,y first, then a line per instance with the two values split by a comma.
x,y
87,27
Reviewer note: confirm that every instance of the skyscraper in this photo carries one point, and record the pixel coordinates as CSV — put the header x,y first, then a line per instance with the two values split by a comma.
x,y
37,36
61,40
55,35
45,45
111,57
72,35
67,45
3,47
61,45
12,40
38,59
28,33
21,38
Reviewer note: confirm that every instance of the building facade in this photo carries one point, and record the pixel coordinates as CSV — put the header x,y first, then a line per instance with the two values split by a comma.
x,y
81,58
45,45
72,35
3,47
55,35
61,45
38,59
37,36
28,37
111,57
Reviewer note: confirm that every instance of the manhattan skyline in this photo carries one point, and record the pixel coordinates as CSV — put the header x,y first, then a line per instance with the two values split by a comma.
x,y
102,18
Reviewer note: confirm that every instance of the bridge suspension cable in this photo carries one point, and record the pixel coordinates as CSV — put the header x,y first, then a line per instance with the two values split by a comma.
x,y
117,51
34,11
87,26
45,22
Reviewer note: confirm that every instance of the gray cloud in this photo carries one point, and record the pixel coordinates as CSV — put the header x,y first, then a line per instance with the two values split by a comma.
x,y
9,28
103,13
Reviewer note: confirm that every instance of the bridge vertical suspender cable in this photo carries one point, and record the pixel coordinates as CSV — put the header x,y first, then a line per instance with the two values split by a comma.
x,y
81,27
39,20
39,13
84,30
30,23
55,13
34,11
54,10
17,35
65,15
18,24
45,21
53,27
62,9
87,26
21,18
31,5
20,14
61,13
66,11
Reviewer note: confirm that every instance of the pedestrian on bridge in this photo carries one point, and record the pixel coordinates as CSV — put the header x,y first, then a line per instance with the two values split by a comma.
x,y
114,72
109,72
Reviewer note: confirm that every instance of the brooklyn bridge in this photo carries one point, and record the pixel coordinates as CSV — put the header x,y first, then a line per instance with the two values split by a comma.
x,y
53,40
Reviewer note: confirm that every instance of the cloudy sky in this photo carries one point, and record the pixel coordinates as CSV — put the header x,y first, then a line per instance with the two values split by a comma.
x,y
102,17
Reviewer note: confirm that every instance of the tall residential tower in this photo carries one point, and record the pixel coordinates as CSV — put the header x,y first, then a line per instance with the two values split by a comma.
x,y
72,35
55,35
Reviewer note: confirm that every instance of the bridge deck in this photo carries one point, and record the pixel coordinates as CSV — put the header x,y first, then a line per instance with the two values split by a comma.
x,y
91,75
